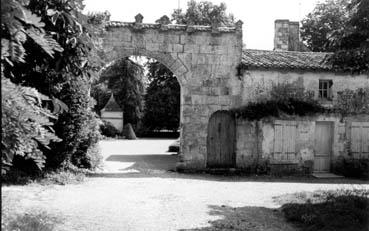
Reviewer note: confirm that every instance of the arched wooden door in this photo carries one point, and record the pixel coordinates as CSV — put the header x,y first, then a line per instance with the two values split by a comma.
x,y
221,140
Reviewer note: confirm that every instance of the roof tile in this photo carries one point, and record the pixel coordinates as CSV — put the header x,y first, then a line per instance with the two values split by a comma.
x,y
287,60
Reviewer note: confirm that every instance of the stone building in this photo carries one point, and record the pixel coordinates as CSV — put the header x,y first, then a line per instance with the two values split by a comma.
x,y
113,113
216,75
298,141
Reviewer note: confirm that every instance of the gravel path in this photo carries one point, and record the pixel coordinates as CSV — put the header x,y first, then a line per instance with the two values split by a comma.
x,y
139,194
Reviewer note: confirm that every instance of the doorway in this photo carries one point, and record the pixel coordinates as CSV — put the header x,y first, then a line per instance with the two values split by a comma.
x,y
221,140
323,146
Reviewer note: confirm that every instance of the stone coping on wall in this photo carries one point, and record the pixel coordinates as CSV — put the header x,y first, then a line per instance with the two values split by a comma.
x,y
173,27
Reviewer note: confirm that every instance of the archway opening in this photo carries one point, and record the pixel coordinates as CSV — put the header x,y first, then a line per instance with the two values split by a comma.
x,y
138,99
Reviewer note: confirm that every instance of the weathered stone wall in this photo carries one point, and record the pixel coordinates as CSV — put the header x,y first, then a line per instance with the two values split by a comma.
x,y
203,58
256,84
286,35
255,139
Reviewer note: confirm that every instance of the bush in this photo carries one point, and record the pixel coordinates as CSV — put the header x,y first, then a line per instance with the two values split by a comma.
x,y
285,99
79,127
30,222
63,177
108,129
350,167
338,210
26,125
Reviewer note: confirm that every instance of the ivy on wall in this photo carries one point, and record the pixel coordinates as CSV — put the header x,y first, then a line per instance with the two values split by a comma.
x,y
287,99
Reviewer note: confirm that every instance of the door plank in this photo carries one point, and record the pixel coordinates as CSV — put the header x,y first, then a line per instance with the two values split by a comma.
x,y
323,146
221,140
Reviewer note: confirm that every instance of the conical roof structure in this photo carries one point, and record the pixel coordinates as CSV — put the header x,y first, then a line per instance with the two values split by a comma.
x,y
112,105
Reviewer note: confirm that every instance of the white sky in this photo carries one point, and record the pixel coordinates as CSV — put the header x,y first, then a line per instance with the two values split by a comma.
x,y
258,15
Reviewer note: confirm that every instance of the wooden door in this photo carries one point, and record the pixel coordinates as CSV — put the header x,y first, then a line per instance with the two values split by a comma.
x,y
221,140
323,146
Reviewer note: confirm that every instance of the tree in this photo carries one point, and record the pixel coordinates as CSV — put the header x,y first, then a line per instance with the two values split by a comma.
x,y
124,78
353,40
319,26
342,27
26,124
66,76
162,99
203,13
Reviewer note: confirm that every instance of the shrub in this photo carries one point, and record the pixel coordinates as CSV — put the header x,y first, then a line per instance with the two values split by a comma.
x,y
26,125
108,129
338,210
350,167
79,127
30,222
63,177
285,98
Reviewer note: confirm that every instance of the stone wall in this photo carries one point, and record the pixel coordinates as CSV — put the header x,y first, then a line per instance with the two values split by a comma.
x,y
286,35
255,139
204,60
256,84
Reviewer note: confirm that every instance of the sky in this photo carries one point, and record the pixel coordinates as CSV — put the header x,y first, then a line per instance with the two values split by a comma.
x,y
257,15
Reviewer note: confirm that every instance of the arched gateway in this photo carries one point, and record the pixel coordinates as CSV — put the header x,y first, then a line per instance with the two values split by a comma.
x,y
204,59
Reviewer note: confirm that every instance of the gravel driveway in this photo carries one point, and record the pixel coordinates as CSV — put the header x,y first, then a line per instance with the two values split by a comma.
x,y
135,192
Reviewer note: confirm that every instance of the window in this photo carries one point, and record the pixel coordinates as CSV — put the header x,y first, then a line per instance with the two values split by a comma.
x,y
325,89
284,140
359,139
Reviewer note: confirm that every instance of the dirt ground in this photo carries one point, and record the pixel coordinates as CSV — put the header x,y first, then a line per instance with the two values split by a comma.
x,y
135,191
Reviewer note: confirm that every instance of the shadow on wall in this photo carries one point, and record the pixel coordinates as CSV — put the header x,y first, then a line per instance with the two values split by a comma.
x,y
246,218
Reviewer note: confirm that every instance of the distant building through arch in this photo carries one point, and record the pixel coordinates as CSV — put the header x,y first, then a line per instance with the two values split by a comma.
x,y
113,113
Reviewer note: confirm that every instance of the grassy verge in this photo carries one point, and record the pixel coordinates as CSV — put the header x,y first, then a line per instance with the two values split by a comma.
x,y
60,177
340,210
29,222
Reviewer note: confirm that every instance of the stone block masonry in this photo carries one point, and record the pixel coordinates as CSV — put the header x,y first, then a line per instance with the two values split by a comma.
x,y
203,58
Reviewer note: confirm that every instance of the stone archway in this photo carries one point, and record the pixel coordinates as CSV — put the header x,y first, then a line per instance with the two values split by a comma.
x,y
204,59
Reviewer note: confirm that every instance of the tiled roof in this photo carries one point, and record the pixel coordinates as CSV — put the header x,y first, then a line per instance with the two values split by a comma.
x,y
111,105
286,60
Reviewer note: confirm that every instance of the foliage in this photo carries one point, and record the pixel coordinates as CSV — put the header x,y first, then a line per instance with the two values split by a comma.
x,y
285,99
108,129
318,27
162,99
341,26
350,167
20,25
67,76
352,40
338,210
79,127
203,13
124,79
30,222
353,101
63,178
26,125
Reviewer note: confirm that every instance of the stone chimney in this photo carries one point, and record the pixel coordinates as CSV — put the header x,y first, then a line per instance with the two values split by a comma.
x,y
286,35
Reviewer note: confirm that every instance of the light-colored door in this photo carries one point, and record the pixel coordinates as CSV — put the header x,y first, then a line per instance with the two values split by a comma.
x,y
323,146
221,140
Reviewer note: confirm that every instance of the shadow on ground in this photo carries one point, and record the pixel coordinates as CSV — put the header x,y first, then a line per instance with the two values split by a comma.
x,y
142,162
163,166
246,218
